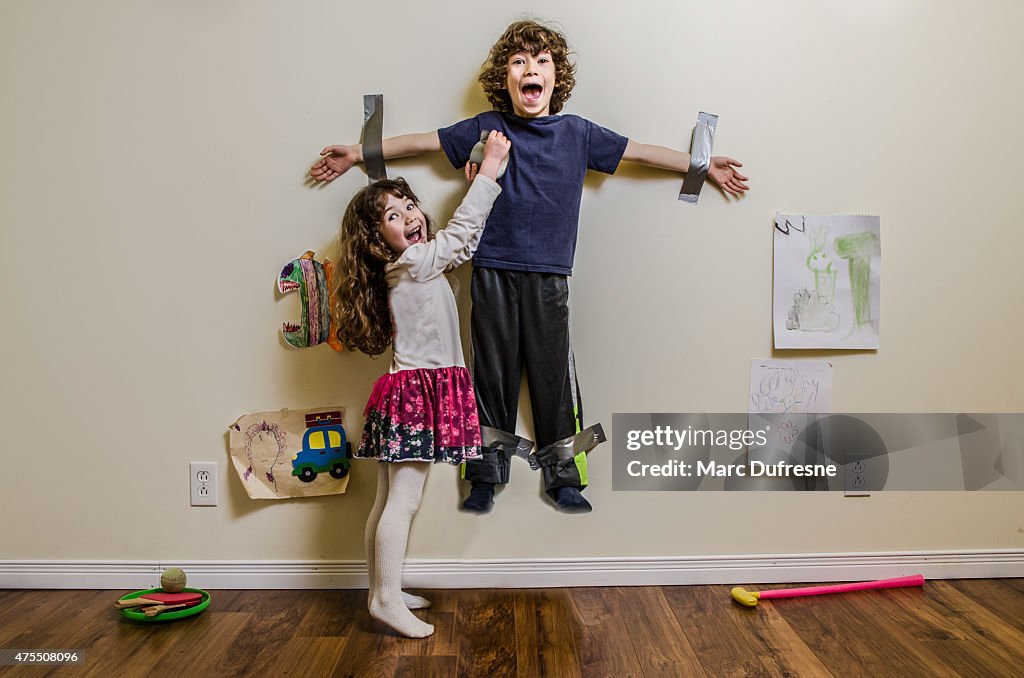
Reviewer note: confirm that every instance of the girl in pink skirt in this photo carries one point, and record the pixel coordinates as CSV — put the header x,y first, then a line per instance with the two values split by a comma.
x,y
392,290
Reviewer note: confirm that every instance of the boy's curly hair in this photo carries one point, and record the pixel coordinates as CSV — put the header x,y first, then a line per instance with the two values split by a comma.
x,y
532,37
360,298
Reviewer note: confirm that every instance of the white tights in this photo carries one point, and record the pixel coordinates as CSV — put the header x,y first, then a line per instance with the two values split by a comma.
x,y
399,492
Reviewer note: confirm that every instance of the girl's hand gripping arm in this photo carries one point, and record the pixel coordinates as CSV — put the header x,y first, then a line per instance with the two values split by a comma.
x,y
495,150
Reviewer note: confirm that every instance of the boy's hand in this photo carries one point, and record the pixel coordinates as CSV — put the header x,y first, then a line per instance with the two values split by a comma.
x,y
336,161
495,150
723,173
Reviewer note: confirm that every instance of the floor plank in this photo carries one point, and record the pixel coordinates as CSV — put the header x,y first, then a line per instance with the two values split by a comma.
x,y
487,643
849,636
274,618
656,636
201,645
370,650
1001,598
603,648
545,621
1001,639
412,666
36,613
701,612
329,613
305,657
784,653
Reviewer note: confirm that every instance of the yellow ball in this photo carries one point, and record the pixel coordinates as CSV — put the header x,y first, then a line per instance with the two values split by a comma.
x,y
173,580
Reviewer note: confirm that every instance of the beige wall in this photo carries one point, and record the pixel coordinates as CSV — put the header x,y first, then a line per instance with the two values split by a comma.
x,y
153,159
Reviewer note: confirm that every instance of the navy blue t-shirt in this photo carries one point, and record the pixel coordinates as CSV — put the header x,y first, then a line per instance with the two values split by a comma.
x,y
534,222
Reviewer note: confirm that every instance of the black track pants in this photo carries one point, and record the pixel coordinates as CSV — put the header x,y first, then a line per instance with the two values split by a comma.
x,y
522,320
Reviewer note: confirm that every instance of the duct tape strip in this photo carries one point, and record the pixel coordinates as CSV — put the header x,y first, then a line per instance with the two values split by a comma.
x,y
700,157
509,442
373,137
567,448
476,155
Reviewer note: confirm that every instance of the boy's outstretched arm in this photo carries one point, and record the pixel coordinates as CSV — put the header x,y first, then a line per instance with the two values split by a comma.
x,y
722,171
337,160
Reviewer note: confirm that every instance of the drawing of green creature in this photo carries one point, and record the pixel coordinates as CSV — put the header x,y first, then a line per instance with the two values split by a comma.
x,y
813,310
821,264
857,249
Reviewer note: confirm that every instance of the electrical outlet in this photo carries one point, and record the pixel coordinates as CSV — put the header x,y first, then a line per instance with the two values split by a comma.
x,y
855,477
203,482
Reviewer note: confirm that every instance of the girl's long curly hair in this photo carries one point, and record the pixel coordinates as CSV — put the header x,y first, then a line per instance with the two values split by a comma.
x,y
360,299
532,37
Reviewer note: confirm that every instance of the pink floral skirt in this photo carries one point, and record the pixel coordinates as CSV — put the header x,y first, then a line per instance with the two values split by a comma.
x,y
422,415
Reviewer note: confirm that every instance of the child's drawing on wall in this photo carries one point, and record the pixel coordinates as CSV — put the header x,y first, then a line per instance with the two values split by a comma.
x,y
826,292
787,386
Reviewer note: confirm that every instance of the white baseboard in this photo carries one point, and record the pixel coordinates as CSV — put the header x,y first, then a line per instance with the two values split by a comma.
x,y
524,573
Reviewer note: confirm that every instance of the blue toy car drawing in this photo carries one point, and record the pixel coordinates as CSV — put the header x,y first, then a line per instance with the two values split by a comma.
x,y
324,448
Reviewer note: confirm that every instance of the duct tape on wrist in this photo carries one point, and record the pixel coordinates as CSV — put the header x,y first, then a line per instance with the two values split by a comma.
x,y
373,137
700,157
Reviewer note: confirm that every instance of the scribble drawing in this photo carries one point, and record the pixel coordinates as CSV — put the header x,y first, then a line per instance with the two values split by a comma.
x,y
788,431
788,225
812,312
786,390
821,264
857,249
258,430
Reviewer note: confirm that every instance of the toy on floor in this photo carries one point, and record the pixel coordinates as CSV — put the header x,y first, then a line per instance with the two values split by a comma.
x,y
173,580
750,598
158,605
182,598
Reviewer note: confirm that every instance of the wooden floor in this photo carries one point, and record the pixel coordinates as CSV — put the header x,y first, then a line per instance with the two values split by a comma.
x,y
949,628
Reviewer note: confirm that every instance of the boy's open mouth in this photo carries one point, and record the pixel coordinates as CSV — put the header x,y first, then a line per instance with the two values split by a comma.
x,y
532,91
415,235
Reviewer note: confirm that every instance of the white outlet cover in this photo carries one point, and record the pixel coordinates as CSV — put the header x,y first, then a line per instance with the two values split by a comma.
x,y
203,492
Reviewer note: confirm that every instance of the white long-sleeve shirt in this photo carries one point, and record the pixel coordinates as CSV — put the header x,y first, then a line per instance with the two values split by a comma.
x,y
423,307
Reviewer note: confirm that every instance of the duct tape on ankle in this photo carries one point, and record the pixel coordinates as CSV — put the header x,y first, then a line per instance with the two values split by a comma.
x,y
700,157
509,443
567,448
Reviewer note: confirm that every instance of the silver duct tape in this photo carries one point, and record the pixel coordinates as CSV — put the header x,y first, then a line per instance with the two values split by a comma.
x,y
509,443
476,155
373,137
567,448
700,157
525,450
